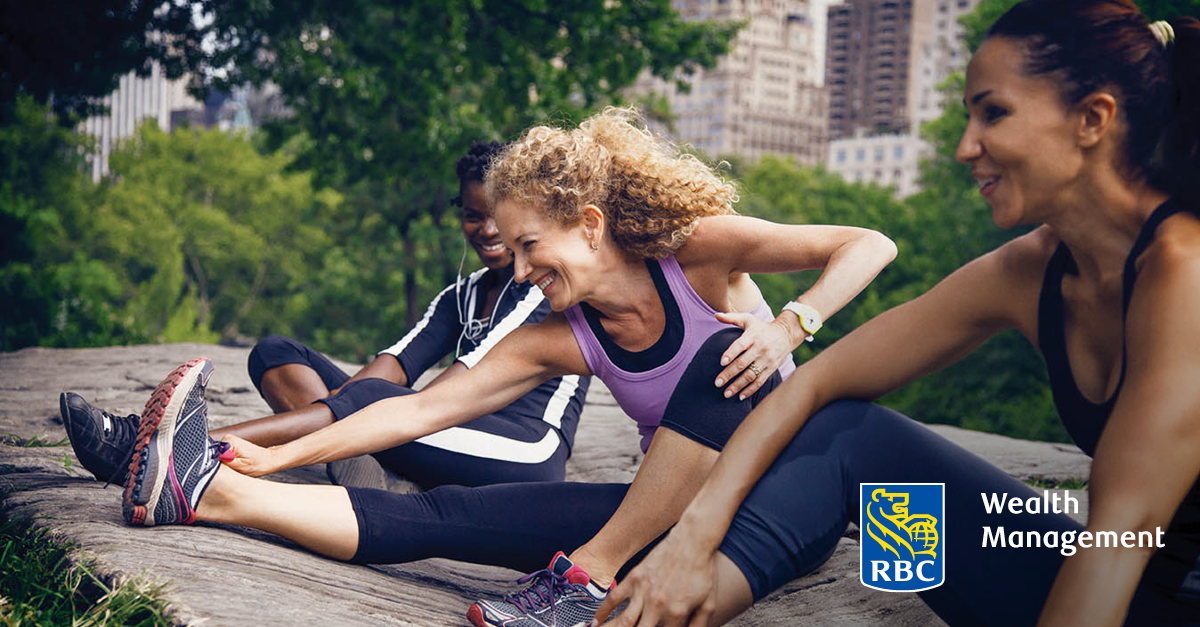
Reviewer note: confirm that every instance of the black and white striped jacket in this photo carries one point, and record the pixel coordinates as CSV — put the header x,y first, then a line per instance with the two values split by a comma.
x,y
450,324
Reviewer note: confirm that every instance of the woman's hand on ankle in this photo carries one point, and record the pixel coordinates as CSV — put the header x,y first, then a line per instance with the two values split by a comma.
x,y
674,586
250,459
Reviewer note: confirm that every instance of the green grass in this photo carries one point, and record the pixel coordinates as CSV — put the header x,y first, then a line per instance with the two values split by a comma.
x,y
1070,483
40,586
34,442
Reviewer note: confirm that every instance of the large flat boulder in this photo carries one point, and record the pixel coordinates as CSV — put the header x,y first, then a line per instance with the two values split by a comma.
x,y
220,575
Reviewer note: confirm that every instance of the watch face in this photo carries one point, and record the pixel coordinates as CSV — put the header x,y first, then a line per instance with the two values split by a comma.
x,y
810,319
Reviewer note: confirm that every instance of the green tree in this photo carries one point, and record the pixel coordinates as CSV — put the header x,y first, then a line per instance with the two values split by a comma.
x,y
70,52
210,239
389,94
53,293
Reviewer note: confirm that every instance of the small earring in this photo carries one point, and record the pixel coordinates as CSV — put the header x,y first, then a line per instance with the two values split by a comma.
x,y
595,246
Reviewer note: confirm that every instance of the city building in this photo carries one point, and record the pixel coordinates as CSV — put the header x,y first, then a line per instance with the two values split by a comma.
x,y
764,97
943,53
137,98
167,103
887,160
884,62
873,50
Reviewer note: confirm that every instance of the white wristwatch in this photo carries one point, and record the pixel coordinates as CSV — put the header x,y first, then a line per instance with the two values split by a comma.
x,y
810,319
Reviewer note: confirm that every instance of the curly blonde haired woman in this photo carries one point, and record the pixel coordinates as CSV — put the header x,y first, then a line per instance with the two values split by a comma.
x,y
640,253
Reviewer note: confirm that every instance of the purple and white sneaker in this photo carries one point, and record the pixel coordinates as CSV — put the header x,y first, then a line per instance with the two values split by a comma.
x,y
562,595
173,459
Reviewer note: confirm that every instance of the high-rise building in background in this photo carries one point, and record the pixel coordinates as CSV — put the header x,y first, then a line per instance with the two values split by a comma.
x,y
136,99
166,102
883,62
943,52
818,11
874,51
889,159
765,96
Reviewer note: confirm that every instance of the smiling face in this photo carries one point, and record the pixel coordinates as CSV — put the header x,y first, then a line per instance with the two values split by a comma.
x,y
555,258
1020,141
479,227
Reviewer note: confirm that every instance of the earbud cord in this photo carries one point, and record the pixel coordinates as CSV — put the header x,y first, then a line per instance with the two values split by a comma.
x,y
462,322
471,327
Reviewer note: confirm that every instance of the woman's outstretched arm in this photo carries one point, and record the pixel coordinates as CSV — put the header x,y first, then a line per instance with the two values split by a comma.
x,y
992,293
520,362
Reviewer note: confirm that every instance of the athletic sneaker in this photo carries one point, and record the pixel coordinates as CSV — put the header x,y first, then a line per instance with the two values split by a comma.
x,y
102,441
173,460
562,595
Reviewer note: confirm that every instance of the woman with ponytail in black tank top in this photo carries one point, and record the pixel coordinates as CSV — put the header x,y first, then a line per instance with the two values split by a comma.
x,y
1085,118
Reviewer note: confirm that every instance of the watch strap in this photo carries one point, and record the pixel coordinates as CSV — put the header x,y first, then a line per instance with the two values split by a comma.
x,y
810,318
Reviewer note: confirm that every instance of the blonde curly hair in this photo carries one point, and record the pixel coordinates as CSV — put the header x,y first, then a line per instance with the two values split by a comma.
x,y
651,193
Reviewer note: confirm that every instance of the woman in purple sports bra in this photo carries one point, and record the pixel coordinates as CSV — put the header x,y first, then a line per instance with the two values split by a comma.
x,y
642,257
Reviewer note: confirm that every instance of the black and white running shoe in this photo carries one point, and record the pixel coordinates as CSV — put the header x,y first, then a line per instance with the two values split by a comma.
x,y
102,441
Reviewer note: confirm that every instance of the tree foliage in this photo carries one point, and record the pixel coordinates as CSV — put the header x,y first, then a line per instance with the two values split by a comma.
x,y
213,239
70,52
195,236
388,95
53,293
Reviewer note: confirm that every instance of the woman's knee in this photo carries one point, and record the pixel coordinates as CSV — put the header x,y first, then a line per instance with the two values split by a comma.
x,y
356,395
698,408
270,352
271,346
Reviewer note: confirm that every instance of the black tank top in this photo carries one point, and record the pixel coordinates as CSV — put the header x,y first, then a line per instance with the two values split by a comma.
x,y
1174,570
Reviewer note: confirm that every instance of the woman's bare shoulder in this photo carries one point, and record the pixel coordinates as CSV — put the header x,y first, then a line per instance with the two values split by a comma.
x,y
708,239
1172,259
1177,242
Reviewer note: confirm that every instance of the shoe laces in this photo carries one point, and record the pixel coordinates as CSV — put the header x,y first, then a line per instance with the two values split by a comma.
x,y
220,450
122,426
217,449
547,586
128,455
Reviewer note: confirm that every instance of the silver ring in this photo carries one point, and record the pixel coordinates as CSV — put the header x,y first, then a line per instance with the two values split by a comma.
x,y
755,368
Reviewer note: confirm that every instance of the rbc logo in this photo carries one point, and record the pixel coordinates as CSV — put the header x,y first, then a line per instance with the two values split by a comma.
x,y
902,533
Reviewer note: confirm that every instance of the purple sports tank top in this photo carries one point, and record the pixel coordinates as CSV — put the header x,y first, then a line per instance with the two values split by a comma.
x,y
644,394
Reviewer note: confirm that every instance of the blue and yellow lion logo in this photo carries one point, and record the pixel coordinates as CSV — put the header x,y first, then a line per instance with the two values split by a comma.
x,y
895,530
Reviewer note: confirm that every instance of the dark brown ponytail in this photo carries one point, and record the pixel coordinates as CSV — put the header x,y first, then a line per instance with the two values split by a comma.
x,y
1177,168
1089,45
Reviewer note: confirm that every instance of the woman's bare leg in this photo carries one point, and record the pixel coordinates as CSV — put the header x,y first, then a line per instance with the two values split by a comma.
x,y
292,386
319,518
733,593
674,469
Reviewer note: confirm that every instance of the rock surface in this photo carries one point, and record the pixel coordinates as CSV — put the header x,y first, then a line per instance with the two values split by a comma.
x,y
219,575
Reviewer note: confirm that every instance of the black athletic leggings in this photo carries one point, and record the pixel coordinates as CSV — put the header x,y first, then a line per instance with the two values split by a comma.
x,y
787,527
793,518
521,526
428,465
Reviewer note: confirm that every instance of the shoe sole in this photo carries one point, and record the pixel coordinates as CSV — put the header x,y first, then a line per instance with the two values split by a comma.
x,y
159,416
475,615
